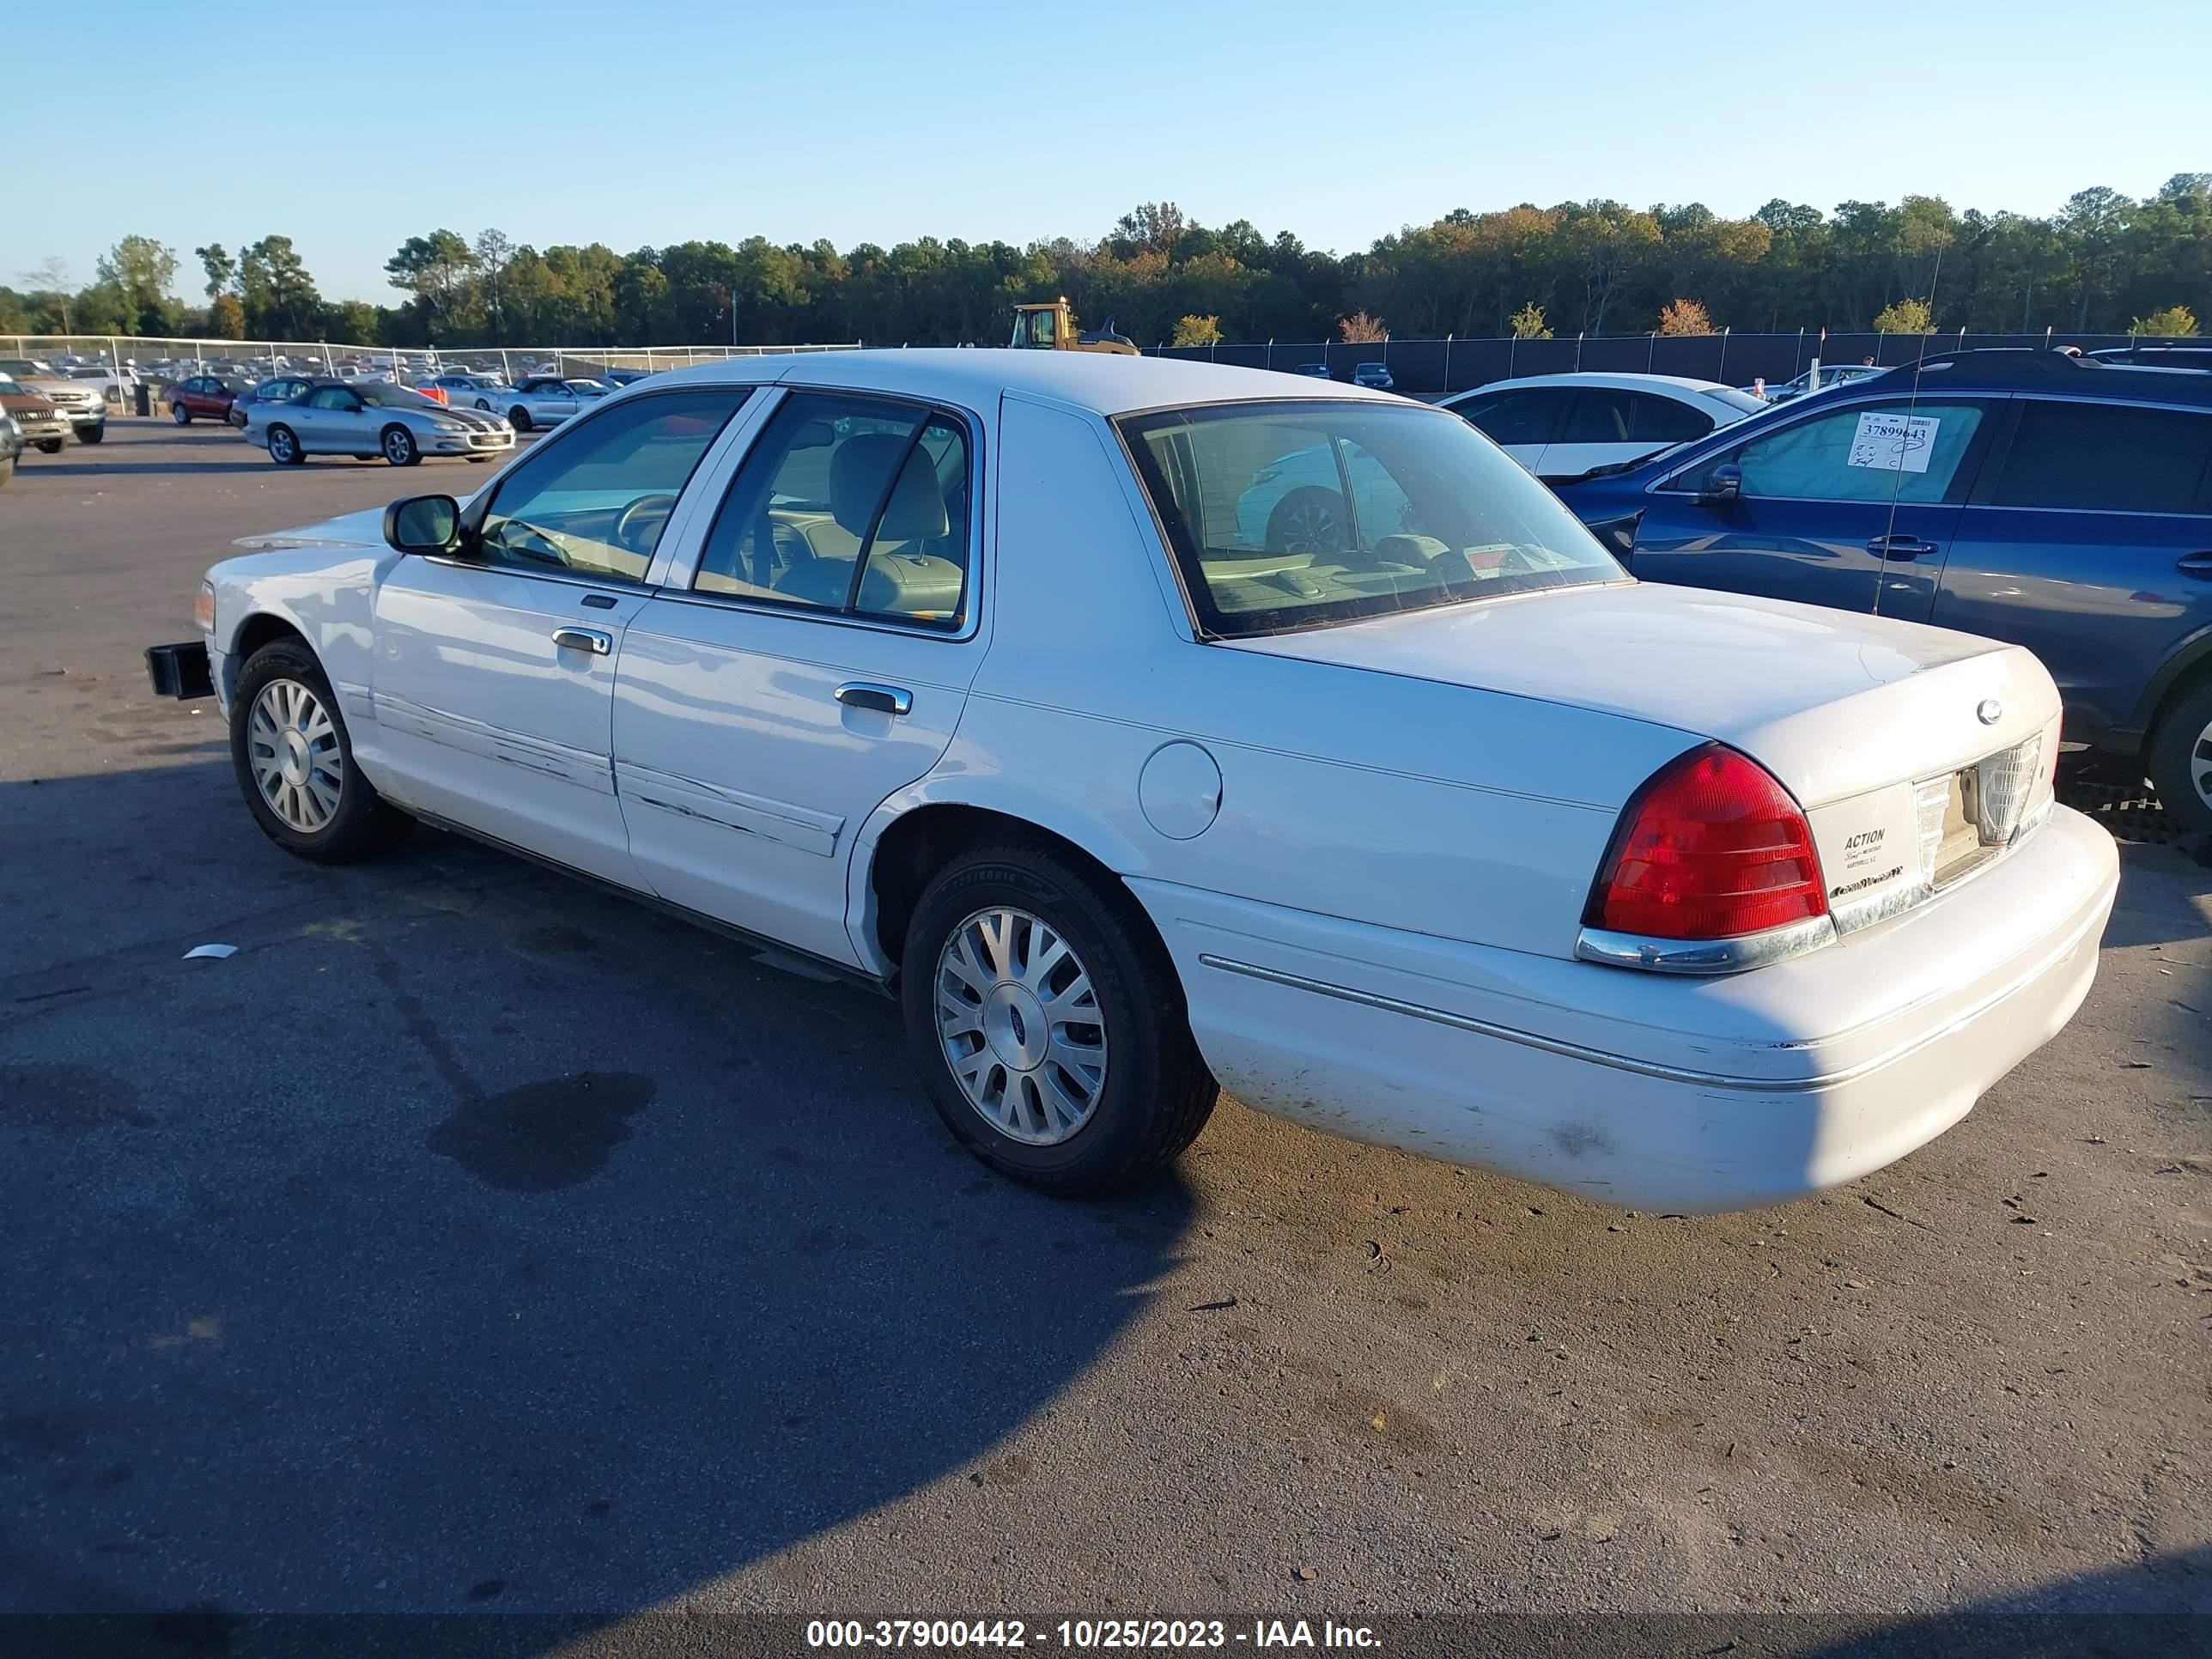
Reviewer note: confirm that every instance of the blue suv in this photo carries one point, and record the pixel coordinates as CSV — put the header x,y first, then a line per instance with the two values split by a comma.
x,y
2041,498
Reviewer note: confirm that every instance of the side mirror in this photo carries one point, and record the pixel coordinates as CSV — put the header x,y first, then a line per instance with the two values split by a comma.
x,y
1722,485
423,524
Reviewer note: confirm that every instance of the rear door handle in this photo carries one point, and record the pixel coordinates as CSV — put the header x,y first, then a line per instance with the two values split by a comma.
x,y
884,699
585,639
2195,565
1899,549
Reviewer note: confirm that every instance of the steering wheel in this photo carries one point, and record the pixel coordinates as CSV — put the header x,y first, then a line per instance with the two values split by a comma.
x,y
641,522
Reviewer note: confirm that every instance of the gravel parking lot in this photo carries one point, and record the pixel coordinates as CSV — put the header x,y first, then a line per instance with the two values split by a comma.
x,y
473,1240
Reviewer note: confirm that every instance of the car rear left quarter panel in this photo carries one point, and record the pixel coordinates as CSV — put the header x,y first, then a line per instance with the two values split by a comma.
x,y
1410,807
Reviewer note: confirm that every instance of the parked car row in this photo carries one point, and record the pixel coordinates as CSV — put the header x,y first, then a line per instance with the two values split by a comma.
x,y
81,402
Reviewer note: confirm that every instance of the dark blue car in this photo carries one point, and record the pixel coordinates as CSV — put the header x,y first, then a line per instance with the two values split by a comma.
x,y
2040,498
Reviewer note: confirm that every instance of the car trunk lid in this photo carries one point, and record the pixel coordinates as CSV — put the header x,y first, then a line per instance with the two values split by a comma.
x,y
1834,704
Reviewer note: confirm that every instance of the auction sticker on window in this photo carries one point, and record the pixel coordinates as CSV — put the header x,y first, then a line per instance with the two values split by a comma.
x,y
1894,443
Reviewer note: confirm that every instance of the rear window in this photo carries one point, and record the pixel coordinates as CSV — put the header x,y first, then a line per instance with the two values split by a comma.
x,y
1290,515
2108,457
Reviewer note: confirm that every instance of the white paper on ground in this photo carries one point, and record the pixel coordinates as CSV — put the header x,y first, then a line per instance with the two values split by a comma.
x,y
216,952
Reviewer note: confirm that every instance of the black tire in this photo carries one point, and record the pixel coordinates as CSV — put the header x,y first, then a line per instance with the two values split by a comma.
x,y
180,415
484,405
50,446
284,446
236,418
365,824
519,418
399,448
1157,1092
2179,753
1310,519
92,434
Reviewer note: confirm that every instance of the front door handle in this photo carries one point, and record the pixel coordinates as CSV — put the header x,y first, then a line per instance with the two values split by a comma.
x,y
585,639
884,699
1899,549
2195,565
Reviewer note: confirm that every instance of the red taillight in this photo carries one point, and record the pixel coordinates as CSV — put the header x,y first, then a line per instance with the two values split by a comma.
x,y
1712,848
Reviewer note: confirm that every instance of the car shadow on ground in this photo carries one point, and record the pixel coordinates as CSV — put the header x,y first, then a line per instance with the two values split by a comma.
x,y
32,466
471,1240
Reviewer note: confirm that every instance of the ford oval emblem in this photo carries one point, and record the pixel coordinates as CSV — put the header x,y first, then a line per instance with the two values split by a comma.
x,y
1989,711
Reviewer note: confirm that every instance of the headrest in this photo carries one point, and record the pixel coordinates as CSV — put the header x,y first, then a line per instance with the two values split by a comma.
x,y
857,467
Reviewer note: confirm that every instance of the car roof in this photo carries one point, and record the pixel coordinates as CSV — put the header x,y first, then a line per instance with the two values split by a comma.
x,y
1104,383
1623,382
1996,368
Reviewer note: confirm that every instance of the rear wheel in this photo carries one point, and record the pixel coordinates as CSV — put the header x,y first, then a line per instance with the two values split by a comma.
x,y
284,446
293,761
1308,520
2179,759
519,418
180,415
1047,1023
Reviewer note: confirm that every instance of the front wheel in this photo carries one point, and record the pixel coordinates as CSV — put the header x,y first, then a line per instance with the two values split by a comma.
x,y
92,434
399,448
484,405
284,446
50,446
180,415
293,761
2179,759
1047,1023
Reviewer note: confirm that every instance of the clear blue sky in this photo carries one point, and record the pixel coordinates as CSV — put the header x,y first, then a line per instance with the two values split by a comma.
x,y
645,122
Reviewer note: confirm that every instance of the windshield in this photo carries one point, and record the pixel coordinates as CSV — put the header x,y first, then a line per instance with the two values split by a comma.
x,y
1290,515
9,389
383,394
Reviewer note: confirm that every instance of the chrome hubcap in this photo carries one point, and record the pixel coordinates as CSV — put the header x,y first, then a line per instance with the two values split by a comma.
x,y
2200,765
1021,1026
280,444
293,747
396,446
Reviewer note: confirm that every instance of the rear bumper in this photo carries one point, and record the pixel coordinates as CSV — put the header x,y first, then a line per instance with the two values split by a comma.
x,y
1647,1090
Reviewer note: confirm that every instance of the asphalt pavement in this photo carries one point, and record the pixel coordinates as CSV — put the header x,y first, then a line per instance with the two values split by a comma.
x,y
473,1240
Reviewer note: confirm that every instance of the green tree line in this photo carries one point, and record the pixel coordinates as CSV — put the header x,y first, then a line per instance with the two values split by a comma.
x,y
2104,262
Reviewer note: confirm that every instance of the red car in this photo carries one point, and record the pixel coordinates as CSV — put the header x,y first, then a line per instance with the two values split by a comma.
x,y
203,396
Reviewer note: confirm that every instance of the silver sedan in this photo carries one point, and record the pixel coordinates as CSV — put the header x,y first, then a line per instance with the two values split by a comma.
x,y
368,418
543,400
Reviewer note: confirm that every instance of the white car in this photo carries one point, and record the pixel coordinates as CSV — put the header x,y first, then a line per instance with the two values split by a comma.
x,y
950,672
1562,427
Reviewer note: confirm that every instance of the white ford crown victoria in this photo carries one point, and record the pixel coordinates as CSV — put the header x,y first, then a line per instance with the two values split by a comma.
x,y
959,671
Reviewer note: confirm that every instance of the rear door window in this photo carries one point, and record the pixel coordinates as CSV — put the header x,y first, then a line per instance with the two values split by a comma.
x,y
1598,414
851,505
1655,420
1529,417
2107,458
